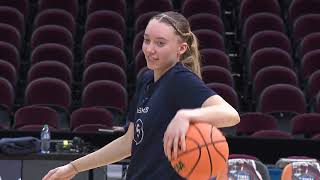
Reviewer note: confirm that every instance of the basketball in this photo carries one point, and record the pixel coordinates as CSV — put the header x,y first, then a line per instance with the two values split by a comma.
x,y
206,153
301,170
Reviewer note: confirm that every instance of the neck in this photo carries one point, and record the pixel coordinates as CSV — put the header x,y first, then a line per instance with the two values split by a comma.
x,y
160,72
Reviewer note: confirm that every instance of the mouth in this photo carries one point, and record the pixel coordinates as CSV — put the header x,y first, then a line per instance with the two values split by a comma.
x,y
152,59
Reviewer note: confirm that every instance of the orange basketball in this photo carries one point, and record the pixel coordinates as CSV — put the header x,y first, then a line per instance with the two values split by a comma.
x,y
287,172
206,153
305,171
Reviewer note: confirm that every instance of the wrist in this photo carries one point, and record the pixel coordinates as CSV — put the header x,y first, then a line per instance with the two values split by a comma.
x,y
189,114
75,169
194,115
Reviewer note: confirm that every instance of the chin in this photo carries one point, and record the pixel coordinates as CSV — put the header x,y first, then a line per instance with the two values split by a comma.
x,y
151,66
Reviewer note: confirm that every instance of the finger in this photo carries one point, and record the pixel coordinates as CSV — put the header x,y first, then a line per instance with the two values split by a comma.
x,y
183,143
175,147
169,147
53,177
165,144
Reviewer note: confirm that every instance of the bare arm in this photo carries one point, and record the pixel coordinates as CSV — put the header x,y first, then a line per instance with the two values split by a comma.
x,y
110,153
215,110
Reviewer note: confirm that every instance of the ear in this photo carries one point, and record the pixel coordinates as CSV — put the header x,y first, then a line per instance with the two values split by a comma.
x,y
182,48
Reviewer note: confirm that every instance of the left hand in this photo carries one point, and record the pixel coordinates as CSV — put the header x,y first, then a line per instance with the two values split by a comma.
x,y
118,129
175,135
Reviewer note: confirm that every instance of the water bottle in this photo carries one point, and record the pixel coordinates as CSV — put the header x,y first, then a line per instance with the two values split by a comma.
x,y
45,139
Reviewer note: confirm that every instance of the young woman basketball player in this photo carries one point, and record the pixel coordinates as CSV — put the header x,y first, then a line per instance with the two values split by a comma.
x,y
169,97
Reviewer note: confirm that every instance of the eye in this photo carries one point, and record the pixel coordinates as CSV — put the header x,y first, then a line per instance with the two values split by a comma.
x,y
160,43
145,40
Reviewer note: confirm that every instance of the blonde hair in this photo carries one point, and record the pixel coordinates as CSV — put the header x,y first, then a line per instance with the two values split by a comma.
x,y
191,58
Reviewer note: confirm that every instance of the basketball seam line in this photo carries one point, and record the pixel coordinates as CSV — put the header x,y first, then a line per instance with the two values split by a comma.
x,y
199,148
217,149
197,128
190,150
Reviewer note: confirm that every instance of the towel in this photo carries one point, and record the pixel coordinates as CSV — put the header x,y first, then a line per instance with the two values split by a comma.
x,y
20,145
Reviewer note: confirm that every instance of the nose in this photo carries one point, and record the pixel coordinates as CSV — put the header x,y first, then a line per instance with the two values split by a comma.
x,y
149,48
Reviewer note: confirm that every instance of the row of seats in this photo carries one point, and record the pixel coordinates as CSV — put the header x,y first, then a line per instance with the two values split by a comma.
x,y
39,41
266,125
278,76
267,21
212,44
71,6
292,167
268,46
247,7
104,93
264,37
84,120
53,91
61,60
53,40
253,23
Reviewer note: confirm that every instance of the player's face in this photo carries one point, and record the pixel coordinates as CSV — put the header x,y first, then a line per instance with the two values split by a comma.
x,y
161,46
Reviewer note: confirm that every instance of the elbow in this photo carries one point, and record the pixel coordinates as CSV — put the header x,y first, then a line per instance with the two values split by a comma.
x,y
231,118
235,118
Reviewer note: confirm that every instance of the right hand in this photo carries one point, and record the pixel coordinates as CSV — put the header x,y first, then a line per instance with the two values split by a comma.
x,y
65,172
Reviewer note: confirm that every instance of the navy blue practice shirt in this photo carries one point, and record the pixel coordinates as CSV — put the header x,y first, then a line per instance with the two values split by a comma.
x,y
153,107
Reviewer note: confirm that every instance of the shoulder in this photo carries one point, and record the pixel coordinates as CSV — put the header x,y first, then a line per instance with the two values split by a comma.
x,y
182,73
188,89
183,80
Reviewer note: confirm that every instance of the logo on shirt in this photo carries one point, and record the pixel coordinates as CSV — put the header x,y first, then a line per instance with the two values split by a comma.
x,y
138,135
142,110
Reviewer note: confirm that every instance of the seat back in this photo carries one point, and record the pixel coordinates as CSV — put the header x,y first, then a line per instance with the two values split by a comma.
x,y
206,21
106,19
250,7
143,6
251,122
118,6
70,6
204,6
261,22
268,38
101,36
301,170
243,169
57,17
52,34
